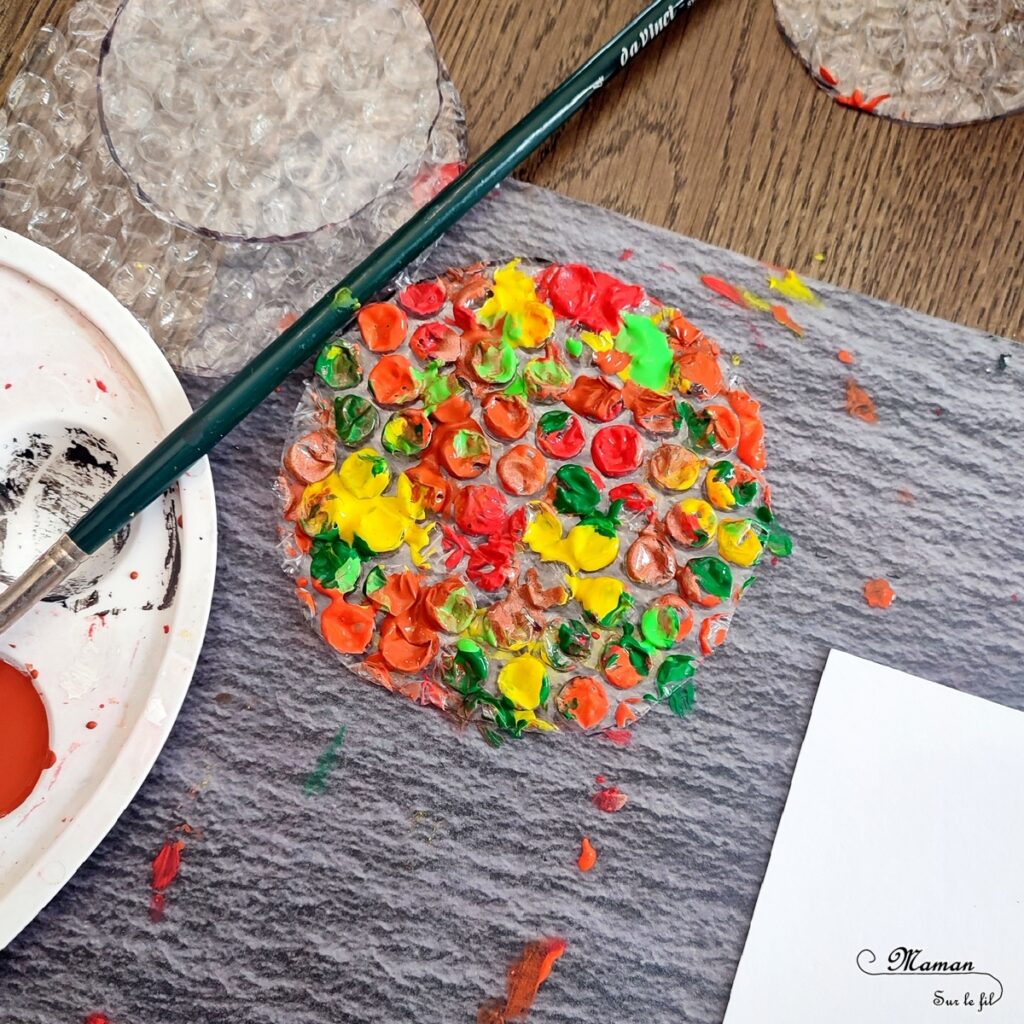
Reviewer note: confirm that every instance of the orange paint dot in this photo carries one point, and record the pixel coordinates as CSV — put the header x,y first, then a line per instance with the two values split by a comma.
x,y
782,316
90,725
846,357
859,403
878,593
588,855
383,326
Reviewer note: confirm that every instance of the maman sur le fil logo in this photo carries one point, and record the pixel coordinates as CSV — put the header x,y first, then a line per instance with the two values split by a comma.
x,y
945,982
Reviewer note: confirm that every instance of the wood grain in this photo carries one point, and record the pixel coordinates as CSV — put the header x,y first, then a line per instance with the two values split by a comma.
x,y
719,134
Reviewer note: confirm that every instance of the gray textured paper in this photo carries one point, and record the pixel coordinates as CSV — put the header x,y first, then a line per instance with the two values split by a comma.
x,y
403,892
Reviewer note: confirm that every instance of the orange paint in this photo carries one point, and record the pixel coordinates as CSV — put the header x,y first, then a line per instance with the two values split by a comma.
x,y
383,326
713,631
651,411
858,101
846,357
312,457
782,316
347,627
24,737
878,593
522,470
751,446
826,76
507,416
723,288
528,973
584,699
393,381
859,403
588,855
624,715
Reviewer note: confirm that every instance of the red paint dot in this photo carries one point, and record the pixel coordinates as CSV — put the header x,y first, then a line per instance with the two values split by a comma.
x,y
626,254
424,298
167,629
181,522
599,779
7,387
133,575
90,725
101,386
97,1018
617,450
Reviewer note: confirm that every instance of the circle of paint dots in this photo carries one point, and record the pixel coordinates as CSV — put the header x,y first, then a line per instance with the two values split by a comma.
x,y
560,435
406,433
728,485
339,365
584,700
706,582
507,417
393,381
465,452
617,450
424,298
522,470
692,523
739,542
675,468
450,605
355,420
435,341
650,559
383,326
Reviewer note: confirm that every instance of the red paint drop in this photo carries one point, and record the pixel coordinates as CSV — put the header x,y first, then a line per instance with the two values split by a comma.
x,y
845,356
97,1018
90,725
101,386
165,869
167,629
626,254
599,779
24,737
133,575
7,387
610,800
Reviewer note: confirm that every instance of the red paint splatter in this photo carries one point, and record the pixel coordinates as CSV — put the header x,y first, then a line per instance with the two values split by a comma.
x,y
588,855
167,629
97,1018
620,737
165,869
610,799
859,403
599,779
858,101
878,593
906,497
723,288
7,387
101,386
826,76
845,356
525,978
181,522
24,737
626,254
286,321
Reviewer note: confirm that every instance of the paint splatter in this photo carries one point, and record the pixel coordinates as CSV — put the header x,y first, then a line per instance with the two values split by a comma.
x,y
588,855
878,593
525,978
101,386
790,286
826,76
859,404
97,1018
819,257
610,799
165,869
626,254
748,300
1002,362
781,315
846,357
858,101
906,497
316,781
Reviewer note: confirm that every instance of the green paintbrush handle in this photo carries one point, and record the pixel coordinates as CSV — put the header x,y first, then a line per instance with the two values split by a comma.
x,y
235,400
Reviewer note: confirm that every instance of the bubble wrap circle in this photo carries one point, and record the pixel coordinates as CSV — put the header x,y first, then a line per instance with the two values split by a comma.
x,y
270,125
210,304
527,495
930,62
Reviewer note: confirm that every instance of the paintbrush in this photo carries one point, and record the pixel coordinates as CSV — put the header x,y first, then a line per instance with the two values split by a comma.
x,y
221,412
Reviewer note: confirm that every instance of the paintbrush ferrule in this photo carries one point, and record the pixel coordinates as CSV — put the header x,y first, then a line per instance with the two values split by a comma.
x,y
40,579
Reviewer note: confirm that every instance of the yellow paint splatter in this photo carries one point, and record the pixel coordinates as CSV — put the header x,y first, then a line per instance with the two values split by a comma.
x,y
523,681
793,288
526,320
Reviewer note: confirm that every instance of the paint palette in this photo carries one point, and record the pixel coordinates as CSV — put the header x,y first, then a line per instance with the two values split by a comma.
x,y
84,393
527,495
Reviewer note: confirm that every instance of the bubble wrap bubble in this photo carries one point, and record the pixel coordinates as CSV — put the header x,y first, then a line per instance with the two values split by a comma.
x,y
212,303
621,655
938,62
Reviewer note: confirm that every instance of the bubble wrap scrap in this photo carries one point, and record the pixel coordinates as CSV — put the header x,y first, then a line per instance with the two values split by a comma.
x,y
929,62
212,303
526,494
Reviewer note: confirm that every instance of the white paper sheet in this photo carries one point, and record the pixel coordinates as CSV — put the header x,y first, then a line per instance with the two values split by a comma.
x,y
903,832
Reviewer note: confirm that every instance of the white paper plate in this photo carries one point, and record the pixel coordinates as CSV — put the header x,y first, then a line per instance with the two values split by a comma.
x,y
86,390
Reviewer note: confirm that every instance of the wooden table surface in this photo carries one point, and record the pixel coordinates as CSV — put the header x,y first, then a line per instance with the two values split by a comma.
x,y
718,133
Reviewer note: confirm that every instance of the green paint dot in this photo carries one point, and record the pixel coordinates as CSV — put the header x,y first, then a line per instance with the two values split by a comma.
x,y
335,564
355,419
713,575
648,347
574,347
575,492
339,365
676,668
404,434
495,363
552,422
574,639
545,375
660,626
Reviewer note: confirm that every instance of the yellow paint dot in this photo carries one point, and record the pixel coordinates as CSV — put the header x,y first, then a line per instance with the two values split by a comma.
x,y
738,542
523,681
599,595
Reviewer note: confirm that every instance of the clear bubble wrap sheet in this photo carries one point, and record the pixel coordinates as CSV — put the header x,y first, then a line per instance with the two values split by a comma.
x,y
930,62
219,168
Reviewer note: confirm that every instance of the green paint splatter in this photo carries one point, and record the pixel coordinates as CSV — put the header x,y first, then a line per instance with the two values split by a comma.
x,y
355,419
575,492
345,300
574,347
713,575
316,781
648,347
339,365
335,564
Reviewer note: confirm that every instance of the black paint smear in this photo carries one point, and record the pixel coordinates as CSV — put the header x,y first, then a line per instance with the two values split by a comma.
x,y
79,455
172,560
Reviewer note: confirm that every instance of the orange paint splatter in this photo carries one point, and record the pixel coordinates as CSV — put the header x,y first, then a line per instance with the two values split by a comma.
x,y
90,725
859,403
610,800
782,316
878,593
845,356
858,101
826,76
723,288
588,855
